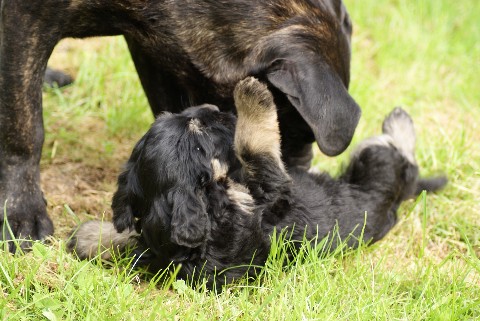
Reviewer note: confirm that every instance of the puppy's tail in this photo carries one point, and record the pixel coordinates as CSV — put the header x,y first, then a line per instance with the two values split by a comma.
x,y
99,238
430,185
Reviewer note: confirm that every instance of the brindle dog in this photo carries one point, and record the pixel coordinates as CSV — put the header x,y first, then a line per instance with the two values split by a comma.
x,y
187,52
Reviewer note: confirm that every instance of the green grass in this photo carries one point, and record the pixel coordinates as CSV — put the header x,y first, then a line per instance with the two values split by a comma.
x,y
423,55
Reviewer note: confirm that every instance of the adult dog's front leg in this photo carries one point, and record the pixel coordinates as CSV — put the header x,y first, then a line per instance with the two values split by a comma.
x,y
257,139
24,51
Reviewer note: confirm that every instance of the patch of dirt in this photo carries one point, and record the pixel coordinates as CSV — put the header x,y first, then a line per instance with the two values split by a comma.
x,y
81,159
86,190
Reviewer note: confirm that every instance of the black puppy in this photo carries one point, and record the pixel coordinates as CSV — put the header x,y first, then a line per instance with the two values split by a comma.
x,y
187,52
206,193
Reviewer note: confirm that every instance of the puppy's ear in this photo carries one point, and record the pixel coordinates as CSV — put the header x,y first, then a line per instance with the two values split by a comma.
x,y
321,98
189,217
121,204
128,190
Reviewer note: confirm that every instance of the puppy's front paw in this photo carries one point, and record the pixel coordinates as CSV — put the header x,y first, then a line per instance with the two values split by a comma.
x,y
257,129
253,99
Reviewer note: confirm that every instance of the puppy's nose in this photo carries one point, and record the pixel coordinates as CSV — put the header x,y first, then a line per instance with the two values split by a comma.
x,y
211,107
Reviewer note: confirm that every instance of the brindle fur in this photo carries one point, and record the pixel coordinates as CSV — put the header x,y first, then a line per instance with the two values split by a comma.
x,y
187,52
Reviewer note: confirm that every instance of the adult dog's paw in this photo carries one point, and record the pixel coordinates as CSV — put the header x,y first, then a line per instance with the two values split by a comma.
x,y
253,99
26,221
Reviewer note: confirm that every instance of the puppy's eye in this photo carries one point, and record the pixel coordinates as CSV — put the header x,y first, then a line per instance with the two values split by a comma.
x,y
200,150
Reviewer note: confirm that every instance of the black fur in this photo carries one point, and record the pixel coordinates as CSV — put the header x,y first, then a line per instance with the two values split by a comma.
x,y
186,52
58,78
215,219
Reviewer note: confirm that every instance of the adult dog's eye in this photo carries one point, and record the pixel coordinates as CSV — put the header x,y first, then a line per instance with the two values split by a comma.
x,y
347,23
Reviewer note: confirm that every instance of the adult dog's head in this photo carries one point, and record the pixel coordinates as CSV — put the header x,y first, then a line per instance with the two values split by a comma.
x,y
300,47
308,60
163,190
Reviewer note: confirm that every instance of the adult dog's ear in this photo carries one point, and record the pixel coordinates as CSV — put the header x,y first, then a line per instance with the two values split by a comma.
x,y
189,217
320,96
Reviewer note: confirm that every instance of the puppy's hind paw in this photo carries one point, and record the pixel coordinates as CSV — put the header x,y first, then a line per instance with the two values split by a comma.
x,y
399,126
253,99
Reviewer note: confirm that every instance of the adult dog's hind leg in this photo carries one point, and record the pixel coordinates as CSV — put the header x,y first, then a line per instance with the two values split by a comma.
x,y
163,93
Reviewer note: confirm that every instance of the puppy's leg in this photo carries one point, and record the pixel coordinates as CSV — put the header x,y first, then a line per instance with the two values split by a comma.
x,y
100,238
257,138
399,126
397,131
385,171
387,162
257,131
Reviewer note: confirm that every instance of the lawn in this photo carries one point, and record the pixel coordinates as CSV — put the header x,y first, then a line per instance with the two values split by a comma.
x,y
422,55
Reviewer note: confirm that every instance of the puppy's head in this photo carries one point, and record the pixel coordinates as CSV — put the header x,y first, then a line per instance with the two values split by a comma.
x,y
162,191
